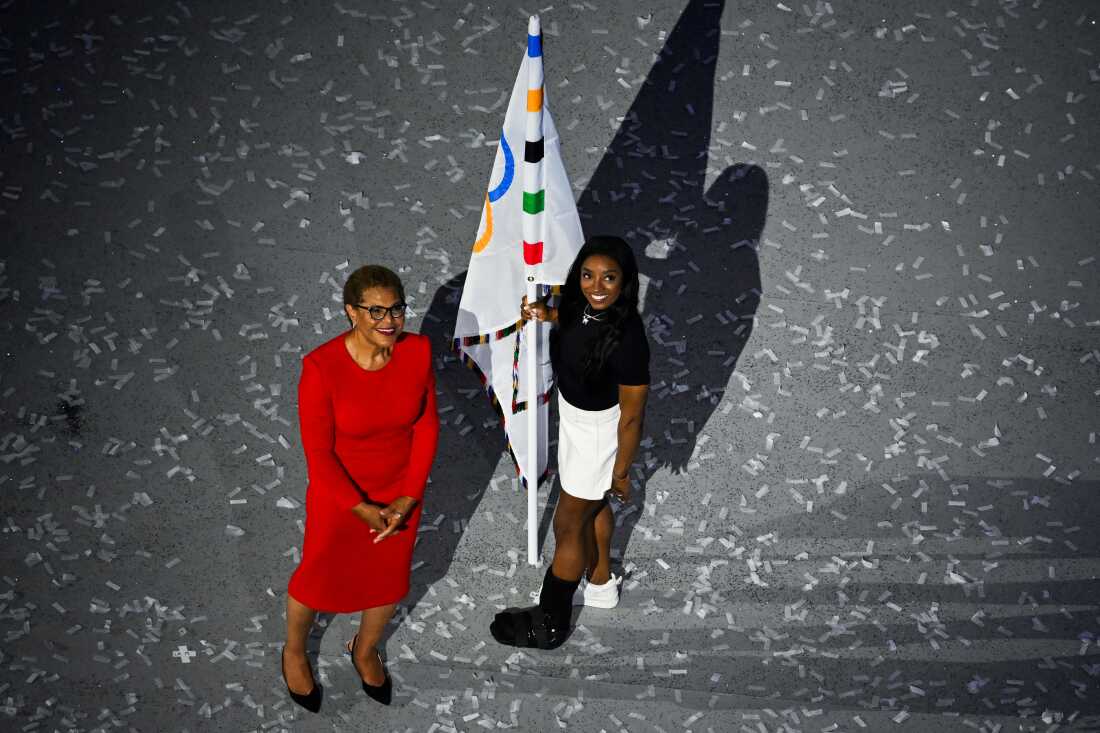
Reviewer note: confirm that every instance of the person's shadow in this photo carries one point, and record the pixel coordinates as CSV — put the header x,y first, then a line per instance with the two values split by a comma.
x,y
697,246
697,252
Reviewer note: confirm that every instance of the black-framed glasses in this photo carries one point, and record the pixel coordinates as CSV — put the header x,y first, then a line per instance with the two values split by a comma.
x,y
378,312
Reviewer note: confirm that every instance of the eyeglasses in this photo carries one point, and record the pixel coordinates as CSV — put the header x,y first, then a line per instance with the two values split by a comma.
x,y
378,312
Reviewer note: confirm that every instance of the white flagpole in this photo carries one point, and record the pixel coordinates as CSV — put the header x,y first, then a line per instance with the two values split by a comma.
x,y
532,433
532,233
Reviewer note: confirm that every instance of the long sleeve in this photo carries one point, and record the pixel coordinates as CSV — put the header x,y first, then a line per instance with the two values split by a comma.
x,y
318,427
425,435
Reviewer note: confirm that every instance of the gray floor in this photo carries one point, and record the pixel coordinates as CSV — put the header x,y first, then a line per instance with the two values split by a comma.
x,y
867,497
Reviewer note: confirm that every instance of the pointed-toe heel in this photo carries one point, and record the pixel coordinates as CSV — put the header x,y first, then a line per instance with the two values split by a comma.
x,y
311,701
382,693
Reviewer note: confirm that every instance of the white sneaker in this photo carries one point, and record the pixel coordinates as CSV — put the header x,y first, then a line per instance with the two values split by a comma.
x,y
605,595
592,595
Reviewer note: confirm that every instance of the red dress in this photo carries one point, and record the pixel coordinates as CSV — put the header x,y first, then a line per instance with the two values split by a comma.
x,y
368,436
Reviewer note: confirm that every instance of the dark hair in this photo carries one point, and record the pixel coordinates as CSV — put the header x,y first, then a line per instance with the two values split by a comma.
x,y
371,276
573,300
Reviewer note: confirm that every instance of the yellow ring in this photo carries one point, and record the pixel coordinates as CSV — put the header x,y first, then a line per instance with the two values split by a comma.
x,y
483,241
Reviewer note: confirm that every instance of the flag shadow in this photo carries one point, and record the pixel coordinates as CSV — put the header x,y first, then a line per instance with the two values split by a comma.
x,y
465,461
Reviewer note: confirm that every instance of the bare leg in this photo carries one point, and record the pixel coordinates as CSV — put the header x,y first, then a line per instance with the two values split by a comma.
x,y
299,620
599,560
572,521
591,549
372,623
547,625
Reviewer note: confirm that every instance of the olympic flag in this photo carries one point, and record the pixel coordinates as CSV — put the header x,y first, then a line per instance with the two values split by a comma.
x,y
529,234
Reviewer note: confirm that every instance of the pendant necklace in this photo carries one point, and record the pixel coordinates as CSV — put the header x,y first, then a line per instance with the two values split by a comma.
x,y
586,317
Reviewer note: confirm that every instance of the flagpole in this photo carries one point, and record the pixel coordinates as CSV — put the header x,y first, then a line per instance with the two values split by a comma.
x,y
532,432
527,182
532,244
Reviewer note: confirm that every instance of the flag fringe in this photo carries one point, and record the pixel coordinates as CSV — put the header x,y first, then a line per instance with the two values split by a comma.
x,y
543,399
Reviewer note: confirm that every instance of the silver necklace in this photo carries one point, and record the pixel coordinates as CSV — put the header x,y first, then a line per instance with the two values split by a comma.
x,y
586,317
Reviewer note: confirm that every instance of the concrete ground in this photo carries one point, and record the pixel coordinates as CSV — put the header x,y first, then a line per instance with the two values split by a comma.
x,y
868,236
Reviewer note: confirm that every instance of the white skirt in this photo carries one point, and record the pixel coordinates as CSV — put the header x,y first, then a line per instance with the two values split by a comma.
x,y
588,442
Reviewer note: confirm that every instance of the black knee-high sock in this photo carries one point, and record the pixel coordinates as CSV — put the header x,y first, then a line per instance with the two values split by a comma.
x,y
556,598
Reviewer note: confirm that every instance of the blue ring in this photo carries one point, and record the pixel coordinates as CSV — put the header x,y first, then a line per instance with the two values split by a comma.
x,y
509,171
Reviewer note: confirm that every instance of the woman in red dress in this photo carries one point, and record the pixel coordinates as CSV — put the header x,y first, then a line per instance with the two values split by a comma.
x,y
367,411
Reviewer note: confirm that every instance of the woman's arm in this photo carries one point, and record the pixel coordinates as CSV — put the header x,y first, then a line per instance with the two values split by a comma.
x,y
425,438
425,435
632,399
318,429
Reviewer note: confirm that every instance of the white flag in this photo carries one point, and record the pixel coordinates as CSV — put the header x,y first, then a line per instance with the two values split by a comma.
x,y
530,232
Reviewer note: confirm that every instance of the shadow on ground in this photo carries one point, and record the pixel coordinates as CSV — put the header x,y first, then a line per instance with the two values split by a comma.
x,y
697,250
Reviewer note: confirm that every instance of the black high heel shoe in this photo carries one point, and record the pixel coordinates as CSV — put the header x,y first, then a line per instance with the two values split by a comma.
x,y
382,693
311,701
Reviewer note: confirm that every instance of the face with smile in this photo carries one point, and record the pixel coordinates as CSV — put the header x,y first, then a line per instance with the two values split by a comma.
x,y
601,281
381,334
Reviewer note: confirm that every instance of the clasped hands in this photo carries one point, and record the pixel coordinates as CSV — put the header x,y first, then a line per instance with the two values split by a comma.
x,y
385,520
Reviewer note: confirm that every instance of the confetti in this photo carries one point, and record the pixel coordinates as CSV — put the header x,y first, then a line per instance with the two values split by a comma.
x,y
870,444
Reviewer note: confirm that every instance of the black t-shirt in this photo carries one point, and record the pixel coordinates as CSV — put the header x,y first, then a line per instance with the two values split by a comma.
x,y
628,363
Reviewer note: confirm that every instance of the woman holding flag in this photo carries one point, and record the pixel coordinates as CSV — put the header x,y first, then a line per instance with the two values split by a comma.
x,y
601,359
